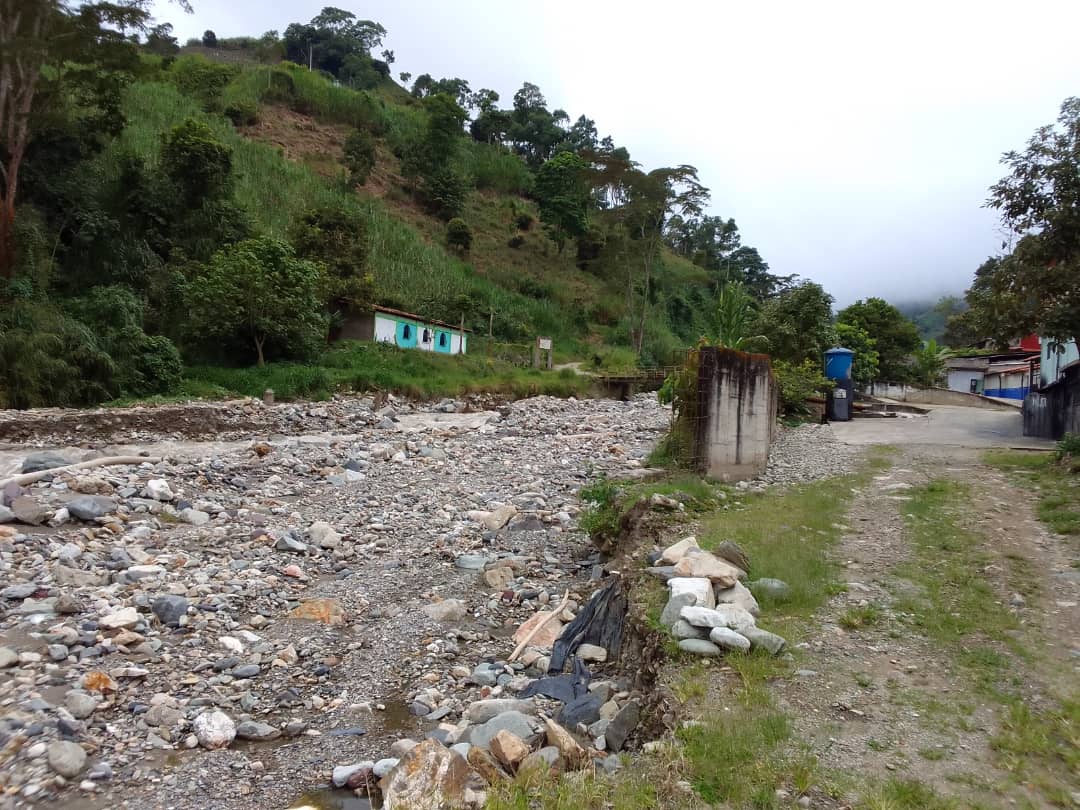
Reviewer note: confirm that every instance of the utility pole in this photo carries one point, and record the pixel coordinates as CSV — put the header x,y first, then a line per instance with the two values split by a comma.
x,y
310,61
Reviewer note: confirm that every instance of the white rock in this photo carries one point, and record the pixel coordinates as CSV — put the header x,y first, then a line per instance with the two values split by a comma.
x,y
700,588
159,489
214,729
323,535
738,594
233,645
731,616
122,618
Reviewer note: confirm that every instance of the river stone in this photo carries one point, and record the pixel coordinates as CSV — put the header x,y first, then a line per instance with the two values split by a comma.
x,y
699,646
500,517
80,704
471,562
323,535
158,489
214,729
90,507
765,640
515,722
480,711
429,777
728,639
731,616
27,510
675,552
775,589
543,762
258,732
6,515
683,629
700,587
44,460
67,758
499,579
621,725
509,749
196,517
342,773
170,609
738,594
674,607
546,636
732,552
123,618
384,766
8,657
448,611
77,578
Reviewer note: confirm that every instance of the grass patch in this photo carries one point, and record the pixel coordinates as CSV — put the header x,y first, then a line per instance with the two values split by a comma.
x,y
856,618
373,366
905,794
1042,748
1058,488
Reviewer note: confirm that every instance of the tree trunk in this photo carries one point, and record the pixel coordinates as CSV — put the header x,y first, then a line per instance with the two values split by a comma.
x,y
7,238
259,349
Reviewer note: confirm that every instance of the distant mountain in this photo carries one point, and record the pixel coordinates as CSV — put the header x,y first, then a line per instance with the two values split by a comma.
x,y
931,316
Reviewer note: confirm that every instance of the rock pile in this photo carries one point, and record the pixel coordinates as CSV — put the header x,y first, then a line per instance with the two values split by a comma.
x,y
709,610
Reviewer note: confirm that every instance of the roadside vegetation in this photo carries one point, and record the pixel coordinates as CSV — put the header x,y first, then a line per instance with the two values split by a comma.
x,y
1054,479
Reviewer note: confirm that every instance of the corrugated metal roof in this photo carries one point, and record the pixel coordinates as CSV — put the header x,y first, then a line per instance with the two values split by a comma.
x,y
420,318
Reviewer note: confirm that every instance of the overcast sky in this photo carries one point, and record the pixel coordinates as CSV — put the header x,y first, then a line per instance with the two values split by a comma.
x,y
853,142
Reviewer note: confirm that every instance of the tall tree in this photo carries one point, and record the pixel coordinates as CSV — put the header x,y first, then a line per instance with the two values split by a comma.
x,y
49,54
1036,288
864,366
798,324
563,193
895,336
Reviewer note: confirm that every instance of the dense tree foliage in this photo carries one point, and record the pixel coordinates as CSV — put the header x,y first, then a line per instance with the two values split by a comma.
x,y
797,323
562,190
1036,286
895,337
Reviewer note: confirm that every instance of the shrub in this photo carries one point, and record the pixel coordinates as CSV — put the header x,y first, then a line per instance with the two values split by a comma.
x,y
209,39
242,113
516,241
1068,447
337,238
444,192
198,164
524,221
359,156
797,384
458,235
202,79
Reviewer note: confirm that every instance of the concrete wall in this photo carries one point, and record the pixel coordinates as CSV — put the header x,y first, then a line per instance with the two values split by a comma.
x,y
1054,411
960,380
931,396
737,402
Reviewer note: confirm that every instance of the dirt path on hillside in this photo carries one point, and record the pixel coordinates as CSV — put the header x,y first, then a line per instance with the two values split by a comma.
x,y
884,701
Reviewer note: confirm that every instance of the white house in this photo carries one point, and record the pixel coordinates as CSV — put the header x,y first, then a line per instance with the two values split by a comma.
x,y
406,330
1055,357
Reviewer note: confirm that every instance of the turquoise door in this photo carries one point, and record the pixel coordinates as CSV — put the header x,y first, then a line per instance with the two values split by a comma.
x,y
443,341
406,335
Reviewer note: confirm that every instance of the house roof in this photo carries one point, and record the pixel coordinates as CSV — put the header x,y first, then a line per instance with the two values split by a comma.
x,y
420,318
1009,369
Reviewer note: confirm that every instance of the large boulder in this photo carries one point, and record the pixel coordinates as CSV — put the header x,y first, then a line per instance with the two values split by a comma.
x,y
738,594
675,552
429,777
90,507
703,564
517,723
480,711
765,640
731,616
43,460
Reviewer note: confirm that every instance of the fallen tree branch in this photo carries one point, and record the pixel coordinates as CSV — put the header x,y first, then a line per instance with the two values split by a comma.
x,y
525,641
107,461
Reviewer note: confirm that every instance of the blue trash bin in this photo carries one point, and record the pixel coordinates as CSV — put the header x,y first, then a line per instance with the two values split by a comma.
x,y
838,363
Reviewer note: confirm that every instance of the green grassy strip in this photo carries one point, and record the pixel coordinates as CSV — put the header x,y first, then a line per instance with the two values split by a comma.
x,y
1057,487
961,611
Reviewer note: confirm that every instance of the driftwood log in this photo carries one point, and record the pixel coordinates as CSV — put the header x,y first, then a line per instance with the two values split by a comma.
x,y
107,461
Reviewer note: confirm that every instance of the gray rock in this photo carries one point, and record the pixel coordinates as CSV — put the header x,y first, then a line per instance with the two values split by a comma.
x,y
738,594
674,607
472,562
77,578
621,725
44,460
19,591
290,543
90,507
764,639
480,711
80,704
8,657
27,510
255,731
214,729
195,517
57,652
541,761
67,758
729,639
6,515
662,572
517,723
774,589
31,606
170,609
683,629
699,646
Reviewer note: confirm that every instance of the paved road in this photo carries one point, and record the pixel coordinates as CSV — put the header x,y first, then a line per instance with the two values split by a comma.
x,y
944,425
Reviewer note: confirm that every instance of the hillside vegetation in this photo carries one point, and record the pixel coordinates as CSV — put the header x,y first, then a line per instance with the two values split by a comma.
x,y
225,206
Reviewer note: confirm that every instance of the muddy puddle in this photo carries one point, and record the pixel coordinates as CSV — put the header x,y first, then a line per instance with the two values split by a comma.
x,y
330,799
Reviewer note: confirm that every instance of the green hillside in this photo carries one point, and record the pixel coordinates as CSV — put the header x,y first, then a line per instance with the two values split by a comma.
x,y
181,210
